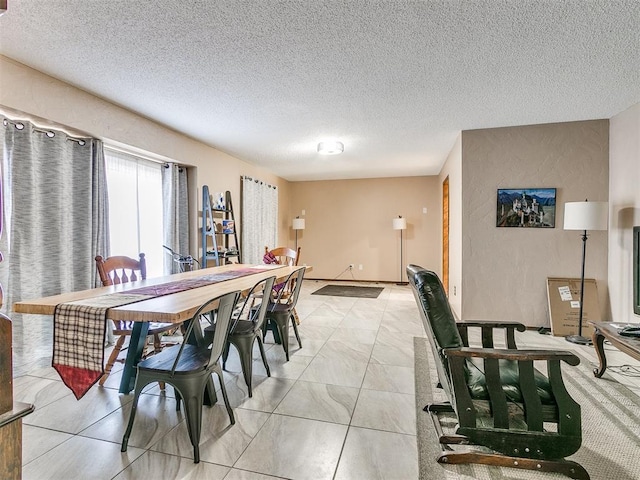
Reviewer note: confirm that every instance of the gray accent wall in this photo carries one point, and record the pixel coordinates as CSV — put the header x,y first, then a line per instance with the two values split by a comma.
x,y
504,270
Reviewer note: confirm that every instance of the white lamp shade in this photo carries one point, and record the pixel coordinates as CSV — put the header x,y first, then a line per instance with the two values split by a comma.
x,y
298,223
400,223
586,215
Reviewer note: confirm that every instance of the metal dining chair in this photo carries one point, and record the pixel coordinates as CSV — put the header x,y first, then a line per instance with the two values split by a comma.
x,y
283,256
189,367
247,328
280,311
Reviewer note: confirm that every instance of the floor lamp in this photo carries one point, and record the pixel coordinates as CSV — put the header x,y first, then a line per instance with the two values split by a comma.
x,y
298,224
400,223
584,216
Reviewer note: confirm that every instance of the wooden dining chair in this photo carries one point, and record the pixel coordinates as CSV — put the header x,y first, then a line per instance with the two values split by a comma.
x,y
282,256
114,271
188,367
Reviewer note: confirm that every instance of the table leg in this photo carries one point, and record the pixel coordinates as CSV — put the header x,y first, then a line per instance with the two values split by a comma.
x,y
134,354
598,343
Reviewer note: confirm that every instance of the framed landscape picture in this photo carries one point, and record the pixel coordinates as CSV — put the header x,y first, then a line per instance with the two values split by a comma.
x,y
526,207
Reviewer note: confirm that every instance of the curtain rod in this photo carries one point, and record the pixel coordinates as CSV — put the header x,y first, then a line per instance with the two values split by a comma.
x,y
244,177
19,125
148,156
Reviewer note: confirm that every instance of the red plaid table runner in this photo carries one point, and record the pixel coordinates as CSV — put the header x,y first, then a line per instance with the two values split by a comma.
x,y
78,339
79,327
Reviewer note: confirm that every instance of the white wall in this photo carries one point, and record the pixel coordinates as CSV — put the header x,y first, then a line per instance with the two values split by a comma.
x,y
624,209
350,221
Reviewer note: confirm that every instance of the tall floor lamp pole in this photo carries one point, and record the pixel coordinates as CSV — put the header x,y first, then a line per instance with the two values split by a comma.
x,y
400,223
584,216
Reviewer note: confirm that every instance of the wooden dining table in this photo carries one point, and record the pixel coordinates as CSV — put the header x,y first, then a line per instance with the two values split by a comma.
x,y
168,308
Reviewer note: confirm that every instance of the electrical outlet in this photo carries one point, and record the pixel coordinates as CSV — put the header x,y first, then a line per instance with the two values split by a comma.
x,y
360,267
351,266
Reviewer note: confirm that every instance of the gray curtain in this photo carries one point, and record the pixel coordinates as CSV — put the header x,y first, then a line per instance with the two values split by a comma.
x,y
56,216
175,213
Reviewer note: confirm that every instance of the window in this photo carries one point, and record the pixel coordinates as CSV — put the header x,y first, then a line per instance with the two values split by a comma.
x,y
135,208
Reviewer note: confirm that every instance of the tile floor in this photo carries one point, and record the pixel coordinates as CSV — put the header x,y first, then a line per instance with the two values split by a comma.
x,y
341,408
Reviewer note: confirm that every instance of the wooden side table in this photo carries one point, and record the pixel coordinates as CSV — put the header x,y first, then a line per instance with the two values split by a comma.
x,y
610,331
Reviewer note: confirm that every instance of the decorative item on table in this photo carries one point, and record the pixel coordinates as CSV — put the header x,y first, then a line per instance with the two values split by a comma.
x,y
228,226
270,259
526,207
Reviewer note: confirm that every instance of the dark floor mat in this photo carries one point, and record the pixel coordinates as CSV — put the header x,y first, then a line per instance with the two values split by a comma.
x,y
349,291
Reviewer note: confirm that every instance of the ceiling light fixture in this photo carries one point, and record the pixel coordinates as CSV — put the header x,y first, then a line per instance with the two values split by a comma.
x,y
330,148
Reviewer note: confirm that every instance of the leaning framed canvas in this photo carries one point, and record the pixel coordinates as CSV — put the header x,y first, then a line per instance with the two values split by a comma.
x,y
636,270
526,207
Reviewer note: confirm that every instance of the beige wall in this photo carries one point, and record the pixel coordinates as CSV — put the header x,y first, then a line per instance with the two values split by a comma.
x,y
504,270
624,209
453,169
41,97
350,221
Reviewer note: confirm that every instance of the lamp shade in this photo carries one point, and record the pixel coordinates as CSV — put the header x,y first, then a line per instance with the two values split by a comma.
x,y
298,223
586,215
400,223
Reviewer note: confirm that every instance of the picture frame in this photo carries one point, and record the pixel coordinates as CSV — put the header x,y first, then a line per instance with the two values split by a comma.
x,y
526,207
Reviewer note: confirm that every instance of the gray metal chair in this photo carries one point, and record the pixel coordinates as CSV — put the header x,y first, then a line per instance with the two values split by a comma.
x,y
189,367
247,328
280,311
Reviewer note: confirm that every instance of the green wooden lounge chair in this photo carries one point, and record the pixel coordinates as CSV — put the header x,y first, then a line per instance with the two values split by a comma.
x,y
514,415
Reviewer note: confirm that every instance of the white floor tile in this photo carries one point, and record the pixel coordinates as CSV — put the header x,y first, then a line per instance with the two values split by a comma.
x,y
317,446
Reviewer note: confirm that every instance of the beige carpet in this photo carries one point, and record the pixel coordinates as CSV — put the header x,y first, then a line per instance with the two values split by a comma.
x,y
610,427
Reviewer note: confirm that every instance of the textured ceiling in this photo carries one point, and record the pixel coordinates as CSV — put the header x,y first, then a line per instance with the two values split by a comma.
x,y
395,81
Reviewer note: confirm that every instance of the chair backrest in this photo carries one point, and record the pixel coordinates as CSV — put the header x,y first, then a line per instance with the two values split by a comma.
x,y
431,296
437,317
221,308
121,269
285,297
282,255
255,314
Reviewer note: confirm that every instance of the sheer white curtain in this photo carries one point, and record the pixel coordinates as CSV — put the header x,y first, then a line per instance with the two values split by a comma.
x,y
259,219
55,216
135,208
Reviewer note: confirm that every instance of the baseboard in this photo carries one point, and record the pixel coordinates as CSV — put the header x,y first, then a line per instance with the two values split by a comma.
x,y
384,282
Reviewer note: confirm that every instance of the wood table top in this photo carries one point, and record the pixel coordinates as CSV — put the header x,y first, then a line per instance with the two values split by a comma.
x,y
173,308
611,330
